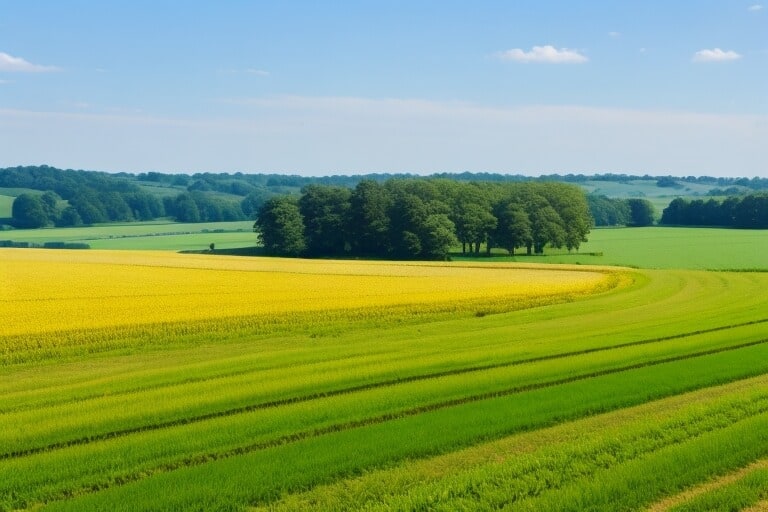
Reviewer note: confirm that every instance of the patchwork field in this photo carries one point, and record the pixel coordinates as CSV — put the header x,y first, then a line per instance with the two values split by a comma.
x,y
160,381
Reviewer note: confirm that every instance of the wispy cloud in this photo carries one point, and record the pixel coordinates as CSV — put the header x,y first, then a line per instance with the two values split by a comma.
x,y
17,64
357,134
715,55
614,34
755,8
548,54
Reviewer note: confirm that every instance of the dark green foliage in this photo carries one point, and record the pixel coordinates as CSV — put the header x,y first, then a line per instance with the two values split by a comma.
x,y
456,195
750,211
185,209
437,237
29,211
424,218
254,200
668,182
281,227
369,222
326,218
473,217
70,217
95,197
608,212
513,229
641,212
200,207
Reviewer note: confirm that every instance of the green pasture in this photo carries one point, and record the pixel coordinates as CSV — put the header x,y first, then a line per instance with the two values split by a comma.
x,y
651,247
158,235
609,402
661,247
6,206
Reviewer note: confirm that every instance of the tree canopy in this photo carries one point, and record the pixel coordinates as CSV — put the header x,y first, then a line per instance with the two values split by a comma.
x,y
750,211
425,218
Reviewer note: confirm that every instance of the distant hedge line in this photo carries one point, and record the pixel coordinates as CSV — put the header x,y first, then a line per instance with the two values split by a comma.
x,y
46,245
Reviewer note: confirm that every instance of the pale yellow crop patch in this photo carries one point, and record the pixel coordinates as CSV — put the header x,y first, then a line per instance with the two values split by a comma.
x,y
49,290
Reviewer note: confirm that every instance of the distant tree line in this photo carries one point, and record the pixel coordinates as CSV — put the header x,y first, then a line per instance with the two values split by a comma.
x,y
620,212
424,219
75,198
750,211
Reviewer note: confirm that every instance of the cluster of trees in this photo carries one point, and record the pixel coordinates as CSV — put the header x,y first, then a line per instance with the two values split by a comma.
x,y
74,198
607,211
750,211
196,206
424,219
86,207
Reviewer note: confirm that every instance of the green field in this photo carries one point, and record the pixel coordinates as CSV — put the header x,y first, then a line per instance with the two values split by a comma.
x,y
663,247
170,236
653,247
6,205
611,402
651,396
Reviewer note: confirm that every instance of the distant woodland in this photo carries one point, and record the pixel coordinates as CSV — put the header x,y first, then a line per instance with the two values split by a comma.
x,y
425,218
750,212
47,196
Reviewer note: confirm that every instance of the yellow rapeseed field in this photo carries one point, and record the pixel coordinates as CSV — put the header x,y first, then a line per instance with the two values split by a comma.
x,y
46,291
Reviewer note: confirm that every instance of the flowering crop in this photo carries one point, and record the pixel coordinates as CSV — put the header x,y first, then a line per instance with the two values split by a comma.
x,y
52,291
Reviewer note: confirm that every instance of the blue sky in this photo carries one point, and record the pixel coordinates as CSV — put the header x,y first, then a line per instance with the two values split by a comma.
x,y
318,88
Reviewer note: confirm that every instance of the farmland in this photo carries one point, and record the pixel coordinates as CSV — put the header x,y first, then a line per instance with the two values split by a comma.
x,y
153,380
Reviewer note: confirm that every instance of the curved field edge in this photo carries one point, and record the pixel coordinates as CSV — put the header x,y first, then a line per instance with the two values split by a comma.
x,y
665,307
56,345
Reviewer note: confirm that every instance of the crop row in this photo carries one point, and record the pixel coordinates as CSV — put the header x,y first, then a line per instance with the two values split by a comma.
x,y
442,346
422,430
45,428
747,490
254,476
229,414
522,471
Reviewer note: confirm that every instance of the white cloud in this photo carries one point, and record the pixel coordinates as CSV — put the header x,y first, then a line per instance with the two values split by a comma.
x,y
755,8
17,64
716,55
614,35
548,54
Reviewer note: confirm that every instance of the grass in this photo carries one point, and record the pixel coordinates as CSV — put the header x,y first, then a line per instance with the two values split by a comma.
x,y
529,464
745,491
327,454
615,400
661,248
156,235
6,206
227,414
652,247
